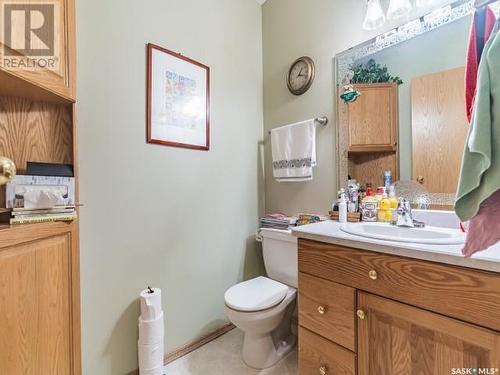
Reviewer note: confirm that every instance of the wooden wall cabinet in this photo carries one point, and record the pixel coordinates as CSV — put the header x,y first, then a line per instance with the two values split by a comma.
x,y
368,134
373,118
367,313
56,84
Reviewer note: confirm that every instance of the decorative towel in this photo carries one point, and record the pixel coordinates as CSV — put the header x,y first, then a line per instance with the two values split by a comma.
x,y
477,196
482,26
294,151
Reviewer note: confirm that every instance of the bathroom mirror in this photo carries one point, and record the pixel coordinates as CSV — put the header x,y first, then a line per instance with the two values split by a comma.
x,y
414,125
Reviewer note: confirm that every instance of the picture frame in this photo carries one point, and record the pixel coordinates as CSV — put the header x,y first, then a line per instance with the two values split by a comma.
x,y
178,100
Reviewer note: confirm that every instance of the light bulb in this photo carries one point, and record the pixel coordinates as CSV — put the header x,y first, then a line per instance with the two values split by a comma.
x,y
398,9
375,17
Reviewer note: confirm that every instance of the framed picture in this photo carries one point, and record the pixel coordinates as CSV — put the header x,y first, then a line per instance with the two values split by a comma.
x,y
178,100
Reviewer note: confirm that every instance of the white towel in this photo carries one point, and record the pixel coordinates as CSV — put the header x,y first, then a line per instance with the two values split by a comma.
x,y
294,151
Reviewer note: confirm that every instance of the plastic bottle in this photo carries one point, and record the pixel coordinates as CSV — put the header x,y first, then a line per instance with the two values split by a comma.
x,y
384,211
393,198
342,209
369,206
387,179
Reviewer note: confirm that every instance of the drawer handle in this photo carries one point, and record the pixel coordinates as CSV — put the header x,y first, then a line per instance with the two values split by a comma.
x,y
323,370
321,310
361,314
373,275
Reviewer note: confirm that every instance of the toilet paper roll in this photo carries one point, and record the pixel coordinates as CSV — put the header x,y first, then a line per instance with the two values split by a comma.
x,y
153,371
151,304
151,331
150,356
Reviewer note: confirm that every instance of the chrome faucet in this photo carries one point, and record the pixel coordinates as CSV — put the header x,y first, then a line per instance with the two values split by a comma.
x,y
405,217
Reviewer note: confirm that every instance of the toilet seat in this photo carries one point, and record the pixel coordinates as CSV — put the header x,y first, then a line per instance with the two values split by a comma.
x,y
257,294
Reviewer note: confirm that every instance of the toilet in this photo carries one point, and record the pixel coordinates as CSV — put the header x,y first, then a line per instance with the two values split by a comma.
x,y
263,307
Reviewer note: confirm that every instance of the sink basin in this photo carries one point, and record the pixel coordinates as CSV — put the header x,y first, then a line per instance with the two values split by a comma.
x,y
387,232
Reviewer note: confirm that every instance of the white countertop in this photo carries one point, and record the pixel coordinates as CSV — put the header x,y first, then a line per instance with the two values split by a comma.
x,y
329,232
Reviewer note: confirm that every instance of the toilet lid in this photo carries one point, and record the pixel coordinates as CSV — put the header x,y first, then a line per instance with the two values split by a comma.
x,y
257,294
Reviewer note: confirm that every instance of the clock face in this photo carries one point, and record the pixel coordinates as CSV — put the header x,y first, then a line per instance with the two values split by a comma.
x,y
301,76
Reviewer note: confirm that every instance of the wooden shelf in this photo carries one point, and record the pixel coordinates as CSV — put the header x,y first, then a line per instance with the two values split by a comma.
x,y
365,149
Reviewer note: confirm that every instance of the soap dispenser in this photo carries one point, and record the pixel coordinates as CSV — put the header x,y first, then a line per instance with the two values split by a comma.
x,y
342,208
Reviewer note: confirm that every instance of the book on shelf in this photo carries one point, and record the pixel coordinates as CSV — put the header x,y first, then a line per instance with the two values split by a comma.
x,y
21,215
32,219
48,211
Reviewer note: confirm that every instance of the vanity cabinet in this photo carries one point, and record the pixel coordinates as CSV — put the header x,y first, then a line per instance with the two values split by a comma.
x,y
393,315
57,83
373,118
395,338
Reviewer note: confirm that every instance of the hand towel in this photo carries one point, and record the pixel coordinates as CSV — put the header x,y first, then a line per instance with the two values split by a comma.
x,y
294,151
480,175
481,29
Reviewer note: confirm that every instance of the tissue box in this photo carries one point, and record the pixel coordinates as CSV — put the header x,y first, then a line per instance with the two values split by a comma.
x,y
63,186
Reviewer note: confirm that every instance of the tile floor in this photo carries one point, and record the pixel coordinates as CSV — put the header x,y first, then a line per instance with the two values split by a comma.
x,y
223,357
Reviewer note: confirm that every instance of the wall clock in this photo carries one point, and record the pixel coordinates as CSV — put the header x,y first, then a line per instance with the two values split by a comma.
x,y
301,75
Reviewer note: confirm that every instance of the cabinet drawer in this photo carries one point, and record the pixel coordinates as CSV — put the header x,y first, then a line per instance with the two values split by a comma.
x,y
327,309
469,295
318,356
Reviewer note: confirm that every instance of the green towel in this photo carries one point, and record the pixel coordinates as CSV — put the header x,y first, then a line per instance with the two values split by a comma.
x,y
480,175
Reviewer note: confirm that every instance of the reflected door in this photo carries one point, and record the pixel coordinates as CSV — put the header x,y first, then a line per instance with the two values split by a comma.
x,y
439,129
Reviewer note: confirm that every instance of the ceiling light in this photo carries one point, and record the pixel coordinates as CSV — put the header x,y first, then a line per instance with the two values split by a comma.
x,y
374,15
398,9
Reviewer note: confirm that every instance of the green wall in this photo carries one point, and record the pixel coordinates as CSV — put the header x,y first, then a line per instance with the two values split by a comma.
x,y
173,218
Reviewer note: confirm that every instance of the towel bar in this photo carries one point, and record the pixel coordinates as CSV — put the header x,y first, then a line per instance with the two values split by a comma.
x,y
323,121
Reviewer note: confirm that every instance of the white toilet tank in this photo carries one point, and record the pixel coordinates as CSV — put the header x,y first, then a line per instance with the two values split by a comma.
x,y
280,255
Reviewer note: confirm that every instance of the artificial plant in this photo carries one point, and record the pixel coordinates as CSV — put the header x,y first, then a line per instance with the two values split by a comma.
x,y
372,72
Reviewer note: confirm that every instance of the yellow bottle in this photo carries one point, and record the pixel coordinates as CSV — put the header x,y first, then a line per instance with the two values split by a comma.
x,y
384,210
392,197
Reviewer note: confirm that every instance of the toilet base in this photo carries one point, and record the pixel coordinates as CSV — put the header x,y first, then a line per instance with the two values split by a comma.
x,y
261,352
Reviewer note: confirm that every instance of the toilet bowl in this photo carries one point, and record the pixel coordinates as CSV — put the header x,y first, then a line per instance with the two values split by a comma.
x,y
264,316
263,307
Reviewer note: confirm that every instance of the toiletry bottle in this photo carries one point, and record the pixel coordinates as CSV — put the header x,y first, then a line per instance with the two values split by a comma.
x,y
393,199
384,211
387,179
380,192
369,206
342,209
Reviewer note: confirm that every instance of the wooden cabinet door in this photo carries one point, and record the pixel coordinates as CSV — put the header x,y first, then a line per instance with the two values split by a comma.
x,y
35,334
394,338
373,118
54,72
439,129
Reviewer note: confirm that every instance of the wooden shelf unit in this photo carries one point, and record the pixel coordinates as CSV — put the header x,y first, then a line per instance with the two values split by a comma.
x,y
39,263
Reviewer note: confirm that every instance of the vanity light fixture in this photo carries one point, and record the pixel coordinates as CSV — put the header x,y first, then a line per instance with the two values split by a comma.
x,y
375,17
398,9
